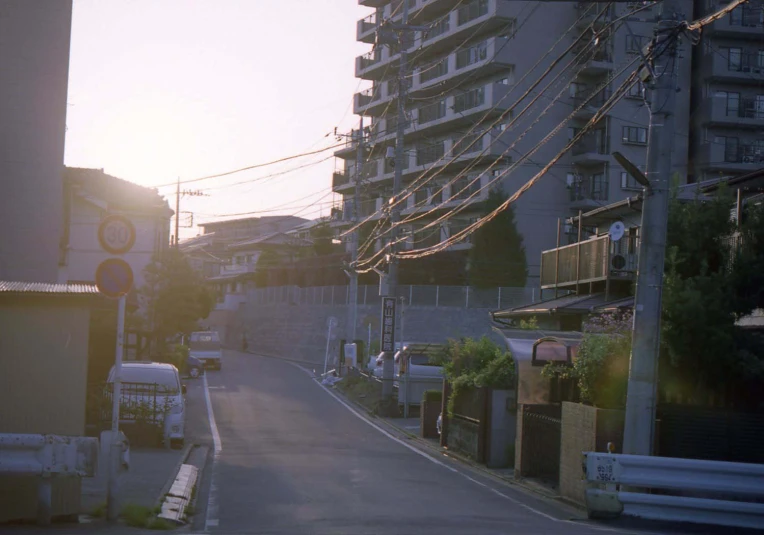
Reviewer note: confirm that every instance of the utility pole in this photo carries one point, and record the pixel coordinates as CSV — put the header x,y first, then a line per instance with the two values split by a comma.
x,y
353,290
639,429
177,212
178,195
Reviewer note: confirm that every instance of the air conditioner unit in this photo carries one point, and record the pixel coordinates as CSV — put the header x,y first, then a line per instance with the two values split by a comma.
x,y
620,262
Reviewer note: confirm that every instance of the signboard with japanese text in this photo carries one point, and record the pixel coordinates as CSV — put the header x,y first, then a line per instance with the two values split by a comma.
x,y
388,324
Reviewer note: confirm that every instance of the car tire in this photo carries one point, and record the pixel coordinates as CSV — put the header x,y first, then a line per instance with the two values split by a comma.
x,y
194,372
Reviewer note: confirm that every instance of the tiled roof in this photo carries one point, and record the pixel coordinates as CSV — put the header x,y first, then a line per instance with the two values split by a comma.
x,y
46,288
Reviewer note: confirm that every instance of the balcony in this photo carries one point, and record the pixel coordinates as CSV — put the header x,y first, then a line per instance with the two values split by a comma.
x,y
592,106
732,157
745,113
372,3
592,149
366,29
340,178
490,56
745,22
470,189
374,100
589,261
595,62
587,14
745,68
589,192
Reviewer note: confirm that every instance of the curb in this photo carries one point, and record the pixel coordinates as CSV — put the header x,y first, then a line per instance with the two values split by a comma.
x,y
168,484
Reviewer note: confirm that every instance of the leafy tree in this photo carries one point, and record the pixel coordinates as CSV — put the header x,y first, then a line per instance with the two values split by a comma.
x,y
322,236
601,367
497,256
175,295
708,285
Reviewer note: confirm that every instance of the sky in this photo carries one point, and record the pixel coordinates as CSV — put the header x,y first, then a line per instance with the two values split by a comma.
x,y
161,89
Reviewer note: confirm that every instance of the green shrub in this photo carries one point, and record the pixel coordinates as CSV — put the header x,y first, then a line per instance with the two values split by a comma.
x,y
432,396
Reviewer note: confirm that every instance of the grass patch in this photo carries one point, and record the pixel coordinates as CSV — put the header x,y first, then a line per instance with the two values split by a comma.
x,y
140,516
99,511
366,392
190,510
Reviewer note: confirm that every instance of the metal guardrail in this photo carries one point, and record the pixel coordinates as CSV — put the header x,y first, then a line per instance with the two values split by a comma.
x,y
47,456
723,484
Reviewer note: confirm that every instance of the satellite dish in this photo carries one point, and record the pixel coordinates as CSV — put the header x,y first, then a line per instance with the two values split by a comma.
x,y
617,230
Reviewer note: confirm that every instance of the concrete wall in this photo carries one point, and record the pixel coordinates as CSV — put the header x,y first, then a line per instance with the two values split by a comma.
x,y
43,366
584,428
43,371
299,331
34,62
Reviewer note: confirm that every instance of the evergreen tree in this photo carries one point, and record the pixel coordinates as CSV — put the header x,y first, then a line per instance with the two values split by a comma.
x,y
497,256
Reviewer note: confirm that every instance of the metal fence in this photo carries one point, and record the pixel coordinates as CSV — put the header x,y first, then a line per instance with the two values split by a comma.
x,y
541,442
139,402
433,296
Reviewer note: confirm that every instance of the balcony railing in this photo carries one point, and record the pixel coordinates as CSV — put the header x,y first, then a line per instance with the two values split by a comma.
x,y
749,108
598,100
471,55
591,145
748,16
369,23
472,11
370,95
600,259
340,177
753,153
441,27
433,70
432,112
470,99
371,58
594,188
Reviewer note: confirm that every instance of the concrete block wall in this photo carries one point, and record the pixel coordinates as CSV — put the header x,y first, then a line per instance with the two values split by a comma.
x,y
579,434
299,331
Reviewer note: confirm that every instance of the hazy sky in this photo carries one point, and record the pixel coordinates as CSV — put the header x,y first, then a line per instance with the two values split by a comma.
x,y
166,88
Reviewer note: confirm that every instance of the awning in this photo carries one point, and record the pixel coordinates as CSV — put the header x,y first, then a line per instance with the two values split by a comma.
x,y
569,304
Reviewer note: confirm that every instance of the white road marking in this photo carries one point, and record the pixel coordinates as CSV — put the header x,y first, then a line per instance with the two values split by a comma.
x,y
211,520
439,463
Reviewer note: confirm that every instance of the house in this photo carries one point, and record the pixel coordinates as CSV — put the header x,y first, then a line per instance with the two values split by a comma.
x,y
89,195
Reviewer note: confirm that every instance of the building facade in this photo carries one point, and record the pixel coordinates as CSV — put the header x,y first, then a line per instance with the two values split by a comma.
x,y
728,93
34,62
472,72
90,194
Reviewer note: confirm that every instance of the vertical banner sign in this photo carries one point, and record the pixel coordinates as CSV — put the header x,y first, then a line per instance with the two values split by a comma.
x,y
388,324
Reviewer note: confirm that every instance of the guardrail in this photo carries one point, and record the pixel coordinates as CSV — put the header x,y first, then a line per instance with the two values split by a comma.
x,y
47,456
718,488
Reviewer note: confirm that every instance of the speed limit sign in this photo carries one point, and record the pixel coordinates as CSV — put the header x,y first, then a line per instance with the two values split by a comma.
x,y
116,234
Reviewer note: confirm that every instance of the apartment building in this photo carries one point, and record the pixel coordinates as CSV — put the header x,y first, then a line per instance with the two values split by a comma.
x,y
728,93
469,68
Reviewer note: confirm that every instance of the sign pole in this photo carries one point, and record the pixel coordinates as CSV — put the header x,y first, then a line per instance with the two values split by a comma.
x,y
112,505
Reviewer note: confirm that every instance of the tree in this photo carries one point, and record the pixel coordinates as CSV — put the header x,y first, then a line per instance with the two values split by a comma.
x,y
497,256
322,236
175,295
708,285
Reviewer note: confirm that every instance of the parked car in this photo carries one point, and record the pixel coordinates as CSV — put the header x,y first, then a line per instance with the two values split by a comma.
x,y
153,392
193,367
206,346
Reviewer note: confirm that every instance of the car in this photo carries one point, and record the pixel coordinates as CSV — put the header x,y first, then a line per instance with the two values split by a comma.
x,y
206,346
194,367
153,392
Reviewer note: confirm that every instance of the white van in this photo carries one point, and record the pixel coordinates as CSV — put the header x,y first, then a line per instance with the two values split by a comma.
x,y
153,390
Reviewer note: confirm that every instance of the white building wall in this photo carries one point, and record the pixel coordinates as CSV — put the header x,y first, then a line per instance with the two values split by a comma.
x,y
34,70
85,253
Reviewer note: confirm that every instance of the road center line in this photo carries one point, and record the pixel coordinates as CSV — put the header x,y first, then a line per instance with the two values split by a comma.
x,y
211,519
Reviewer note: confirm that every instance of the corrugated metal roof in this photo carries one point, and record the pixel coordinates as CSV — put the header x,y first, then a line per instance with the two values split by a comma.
x,y
16,287
573,304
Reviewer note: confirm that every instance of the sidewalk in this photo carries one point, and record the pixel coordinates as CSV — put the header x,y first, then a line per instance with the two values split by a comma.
x,y
142,484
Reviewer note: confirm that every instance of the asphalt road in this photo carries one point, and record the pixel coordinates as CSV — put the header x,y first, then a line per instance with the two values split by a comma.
x,y
294,460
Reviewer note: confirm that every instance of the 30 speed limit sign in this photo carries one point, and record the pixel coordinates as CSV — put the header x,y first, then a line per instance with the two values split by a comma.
x,y
116,234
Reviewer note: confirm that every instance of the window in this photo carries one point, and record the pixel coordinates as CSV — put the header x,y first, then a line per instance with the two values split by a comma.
x,y
635,43
432,112
634,134
628,182
732,102
636,91
573,132
599,187
734,59
505,80
430,153
731,149
473,54
470,99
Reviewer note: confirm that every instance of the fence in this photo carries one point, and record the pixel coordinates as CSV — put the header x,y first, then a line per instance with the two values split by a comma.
x,y
434,296
139,402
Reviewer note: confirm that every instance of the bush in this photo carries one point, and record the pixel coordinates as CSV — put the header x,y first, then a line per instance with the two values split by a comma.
x,y
176,355
470,363
432,396
601,369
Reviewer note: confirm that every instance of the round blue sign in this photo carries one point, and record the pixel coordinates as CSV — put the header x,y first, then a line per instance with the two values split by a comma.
x,y
114,277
